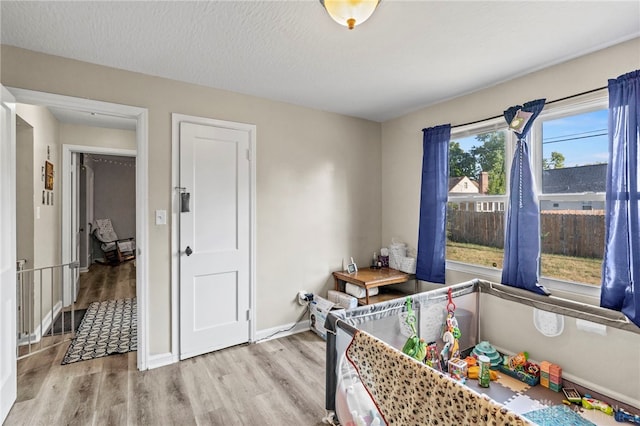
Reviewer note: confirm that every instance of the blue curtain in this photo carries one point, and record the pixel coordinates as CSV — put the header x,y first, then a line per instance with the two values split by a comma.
x,y
621,267
521,267
432,233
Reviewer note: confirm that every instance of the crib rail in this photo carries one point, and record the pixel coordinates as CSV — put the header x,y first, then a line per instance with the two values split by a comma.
x,y
40,295
350,320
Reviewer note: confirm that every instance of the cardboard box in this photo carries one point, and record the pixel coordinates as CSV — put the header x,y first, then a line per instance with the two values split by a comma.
x,y
318,310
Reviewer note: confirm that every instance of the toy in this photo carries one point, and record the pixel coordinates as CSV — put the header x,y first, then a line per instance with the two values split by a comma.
x,y
622,416
471,361
415,347
457,368
485,348
432,359
484,377
517,360
572,395
451,333
474,373
595,404
521,368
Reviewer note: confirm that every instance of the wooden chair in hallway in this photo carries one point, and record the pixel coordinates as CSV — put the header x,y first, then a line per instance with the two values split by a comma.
x,y
115,250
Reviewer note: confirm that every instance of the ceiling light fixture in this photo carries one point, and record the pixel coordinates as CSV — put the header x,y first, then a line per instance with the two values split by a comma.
x,y
350,12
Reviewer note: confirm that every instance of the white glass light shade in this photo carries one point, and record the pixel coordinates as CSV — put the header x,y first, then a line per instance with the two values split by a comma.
x,y
350,12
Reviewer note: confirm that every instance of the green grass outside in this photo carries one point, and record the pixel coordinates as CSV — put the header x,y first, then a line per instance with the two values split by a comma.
x,y
569,268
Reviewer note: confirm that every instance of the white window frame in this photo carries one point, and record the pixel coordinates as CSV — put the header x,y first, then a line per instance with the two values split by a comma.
x,y
585,104
493,125
565,288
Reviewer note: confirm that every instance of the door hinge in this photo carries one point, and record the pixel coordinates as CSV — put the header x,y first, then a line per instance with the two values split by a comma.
x,y
248,154
249,315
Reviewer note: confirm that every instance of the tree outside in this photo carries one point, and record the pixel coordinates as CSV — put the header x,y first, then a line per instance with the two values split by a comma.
x,y
555,162
487,156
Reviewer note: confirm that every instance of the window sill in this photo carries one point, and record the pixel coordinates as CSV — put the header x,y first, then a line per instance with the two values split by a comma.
x,y
573,291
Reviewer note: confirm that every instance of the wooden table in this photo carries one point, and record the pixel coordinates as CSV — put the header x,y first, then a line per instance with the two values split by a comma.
x,y
369,278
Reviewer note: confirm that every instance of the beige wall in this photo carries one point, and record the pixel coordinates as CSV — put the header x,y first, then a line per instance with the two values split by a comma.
x,y
25,177
46,228
318,178
46,218
612,363
75,134
402,137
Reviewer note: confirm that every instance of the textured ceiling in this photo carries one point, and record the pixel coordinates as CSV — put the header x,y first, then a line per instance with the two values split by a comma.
x,y
410,54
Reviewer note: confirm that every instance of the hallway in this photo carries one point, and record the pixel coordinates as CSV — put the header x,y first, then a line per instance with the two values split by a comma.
x,y
104,282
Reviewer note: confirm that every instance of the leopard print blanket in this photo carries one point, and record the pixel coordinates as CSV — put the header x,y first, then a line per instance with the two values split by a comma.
x,y
408,392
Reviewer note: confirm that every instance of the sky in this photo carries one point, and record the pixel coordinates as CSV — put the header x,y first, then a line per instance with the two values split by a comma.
x,y
582,139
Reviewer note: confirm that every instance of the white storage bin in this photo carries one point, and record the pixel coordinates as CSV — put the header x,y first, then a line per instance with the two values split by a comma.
x,y
359,292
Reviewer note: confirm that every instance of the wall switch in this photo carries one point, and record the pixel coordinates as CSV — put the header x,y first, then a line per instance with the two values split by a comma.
x,y
38,212
161,217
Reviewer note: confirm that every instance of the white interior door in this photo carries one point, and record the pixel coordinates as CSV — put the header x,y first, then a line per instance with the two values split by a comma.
x,y
214,239
89,213
75,222
8,376
70,228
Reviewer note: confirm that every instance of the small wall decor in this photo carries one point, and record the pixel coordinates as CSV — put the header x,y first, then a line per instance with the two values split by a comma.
x,y
48,176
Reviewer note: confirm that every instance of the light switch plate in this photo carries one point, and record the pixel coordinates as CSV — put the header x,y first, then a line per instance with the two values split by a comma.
x,y
161,217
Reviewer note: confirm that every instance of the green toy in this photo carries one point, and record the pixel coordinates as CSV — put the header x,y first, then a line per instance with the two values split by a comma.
x,y
415,347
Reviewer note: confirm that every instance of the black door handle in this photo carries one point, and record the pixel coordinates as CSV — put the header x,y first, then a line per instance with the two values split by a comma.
x,y
188,251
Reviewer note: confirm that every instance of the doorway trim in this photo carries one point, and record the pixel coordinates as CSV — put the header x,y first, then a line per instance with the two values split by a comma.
x,y
176,119
141,115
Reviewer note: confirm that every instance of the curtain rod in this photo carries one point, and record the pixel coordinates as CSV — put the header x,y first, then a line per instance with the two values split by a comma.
x,y
546,103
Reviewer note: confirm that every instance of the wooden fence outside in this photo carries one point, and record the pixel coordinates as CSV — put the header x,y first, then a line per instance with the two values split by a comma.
x,y
566,233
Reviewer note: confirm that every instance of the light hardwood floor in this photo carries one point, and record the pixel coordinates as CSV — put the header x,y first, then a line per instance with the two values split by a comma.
x,y
277,382
104,282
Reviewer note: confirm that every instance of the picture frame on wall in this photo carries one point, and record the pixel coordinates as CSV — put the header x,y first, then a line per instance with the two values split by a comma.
x,y
48,176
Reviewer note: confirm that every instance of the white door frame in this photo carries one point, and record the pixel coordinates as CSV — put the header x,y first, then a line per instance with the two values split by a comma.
x,y
176,119
67,232
142,184
8,323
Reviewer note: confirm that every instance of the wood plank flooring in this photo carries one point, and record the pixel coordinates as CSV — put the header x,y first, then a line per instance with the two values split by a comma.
x,y
104,282
277,382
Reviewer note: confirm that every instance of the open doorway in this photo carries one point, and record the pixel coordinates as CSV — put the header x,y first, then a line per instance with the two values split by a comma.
x,y
77,106
102,192
81,186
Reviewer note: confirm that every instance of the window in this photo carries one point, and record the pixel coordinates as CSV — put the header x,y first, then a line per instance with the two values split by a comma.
x,y
573,154
569,150
477,188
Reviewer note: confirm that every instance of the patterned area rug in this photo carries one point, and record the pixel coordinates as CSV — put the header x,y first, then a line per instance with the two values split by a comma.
x,y
65,317
108,327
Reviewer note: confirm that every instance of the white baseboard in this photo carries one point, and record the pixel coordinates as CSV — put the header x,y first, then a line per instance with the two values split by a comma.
x,y
44,325
84,270
161,360
282,331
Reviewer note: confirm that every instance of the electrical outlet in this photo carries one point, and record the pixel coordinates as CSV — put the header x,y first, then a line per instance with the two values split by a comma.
x,y
304,297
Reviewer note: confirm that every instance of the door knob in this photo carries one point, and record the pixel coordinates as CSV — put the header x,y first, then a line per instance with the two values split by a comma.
x,y
188,251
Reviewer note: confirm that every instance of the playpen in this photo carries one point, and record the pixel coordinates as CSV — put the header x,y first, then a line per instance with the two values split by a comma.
x,y
478,312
